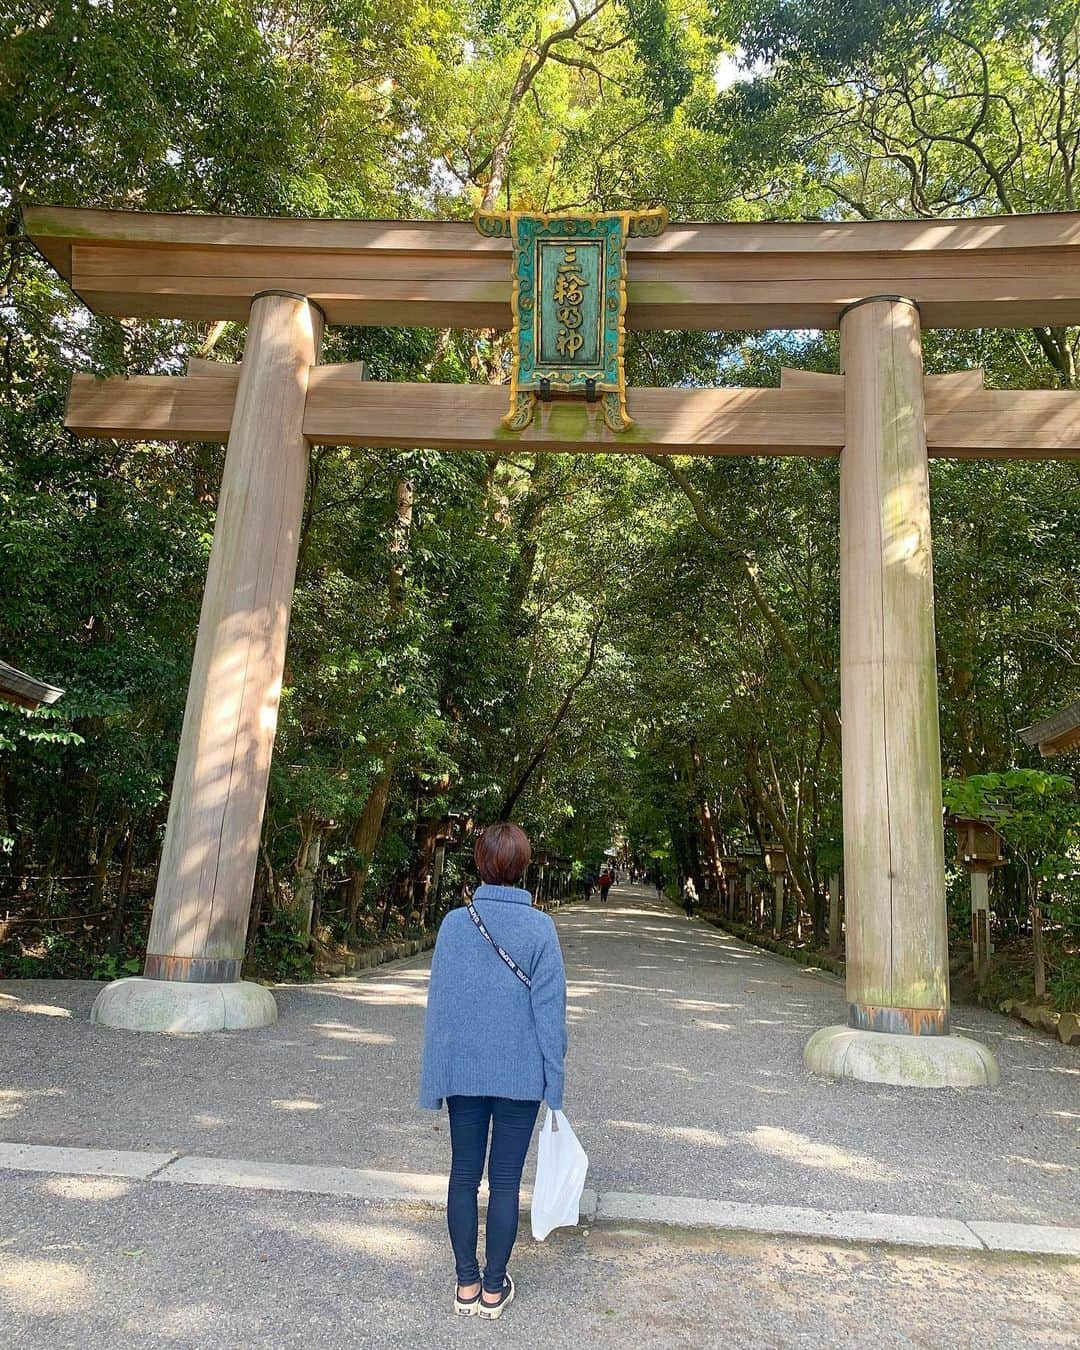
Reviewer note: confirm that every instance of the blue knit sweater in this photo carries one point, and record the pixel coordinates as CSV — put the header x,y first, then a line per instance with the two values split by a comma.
x,y
486,1034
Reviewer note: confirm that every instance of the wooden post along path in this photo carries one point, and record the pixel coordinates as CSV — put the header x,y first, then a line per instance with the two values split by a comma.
x,y
879,282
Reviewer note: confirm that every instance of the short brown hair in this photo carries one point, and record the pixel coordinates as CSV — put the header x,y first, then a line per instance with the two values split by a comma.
x,y
502,853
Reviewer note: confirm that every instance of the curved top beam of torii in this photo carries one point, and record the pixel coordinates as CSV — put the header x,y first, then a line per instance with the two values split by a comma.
x,y
999,271
1006,271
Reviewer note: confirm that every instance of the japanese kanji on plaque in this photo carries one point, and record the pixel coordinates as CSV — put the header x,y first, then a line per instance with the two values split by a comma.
x,y
569,305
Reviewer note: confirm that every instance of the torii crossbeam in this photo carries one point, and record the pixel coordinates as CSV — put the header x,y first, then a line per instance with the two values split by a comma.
x,y
805,416
879,282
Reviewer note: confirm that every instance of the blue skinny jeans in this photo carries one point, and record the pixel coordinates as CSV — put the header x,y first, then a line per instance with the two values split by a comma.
x,y
511,1124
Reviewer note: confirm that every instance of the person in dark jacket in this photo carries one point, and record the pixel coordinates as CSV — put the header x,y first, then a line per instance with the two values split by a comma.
x,y
494,1045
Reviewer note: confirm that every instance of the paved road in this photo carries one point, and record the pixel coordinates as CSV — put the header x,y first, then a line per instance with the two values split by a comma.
x,y
91,1262
685,1078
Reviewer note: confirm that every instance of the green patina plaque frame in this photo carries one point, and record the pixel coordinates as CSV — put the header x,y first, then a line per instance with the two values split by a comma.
x,y
569,305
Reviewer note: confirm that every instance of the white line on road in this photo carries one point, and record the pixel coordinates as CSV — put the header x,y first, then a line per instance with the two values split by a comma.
x,y
424,1188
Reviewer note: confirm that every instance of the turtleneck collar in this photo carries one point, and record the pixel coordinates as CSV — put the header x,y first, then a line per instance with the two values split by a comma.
x,y
514,894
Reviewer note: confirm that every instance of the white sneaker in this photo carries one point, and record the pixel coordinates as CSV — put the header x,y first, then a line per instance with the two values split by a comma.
x,y
493,1310
466,1307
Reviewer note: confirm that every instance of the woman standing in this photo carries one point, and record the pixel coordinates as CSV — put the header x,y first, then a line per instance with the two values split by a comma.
x,y
689,896
494,1044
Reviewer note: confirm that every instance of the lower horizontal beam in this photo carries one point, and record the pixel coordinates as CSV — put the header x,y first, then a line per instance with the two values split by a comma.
x,y
675,421
343,409
962,421
153,407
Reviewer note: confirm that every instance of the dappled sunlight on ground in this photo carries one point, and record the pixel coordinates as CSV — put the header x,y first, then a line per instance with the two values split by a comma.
x,y
380,1239
694,1135
39,1285
594,986
195,1268
66,996
87,1188
13,1003
702,1005
341,1031
797,1148
1043,1165
389,995
14,1100
684,1077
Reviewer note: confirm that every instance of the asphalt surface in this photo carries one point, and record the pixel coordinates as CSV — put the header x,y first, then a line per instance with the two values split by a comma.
x,y
89,1262
685,1077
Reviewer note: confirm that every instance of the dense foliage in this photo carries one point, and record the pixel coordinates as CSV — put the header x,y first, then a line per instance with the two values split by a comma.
x,y
608,645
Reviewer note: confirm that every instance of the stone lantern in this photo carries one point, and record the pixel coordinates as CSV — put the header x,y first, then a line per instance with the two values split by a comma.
x,y
979,849
776,865
749,857
729,869
540,862
450,830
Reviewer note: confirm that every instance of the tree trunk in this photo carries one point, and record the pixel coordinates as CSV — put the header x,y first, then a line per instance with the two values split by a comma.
x,y
398,543
117,932
836,939
307,871
423,869
800,882
364,840
112,836
366,833
263,889
1038,949
788,642
537,758
709,845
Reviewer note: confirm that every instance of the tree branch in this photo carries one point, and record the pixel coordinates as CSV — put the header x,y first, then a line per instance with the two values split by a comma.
x,y
556,722
814,689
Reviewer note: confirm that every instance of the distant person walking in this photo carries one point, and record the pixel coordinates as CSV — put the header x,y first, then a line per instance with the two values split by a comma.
x,y
605,885
689,896
494,1045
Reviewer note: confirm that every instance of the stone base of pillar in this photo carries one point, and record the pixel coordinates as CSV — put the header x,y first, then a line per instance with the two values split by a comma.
x,y
903,1061
183,1008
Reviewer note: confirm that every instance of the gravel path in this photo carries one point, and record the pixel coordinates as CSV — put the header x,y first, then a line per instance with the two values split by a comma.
x,y
89,1262
685,1078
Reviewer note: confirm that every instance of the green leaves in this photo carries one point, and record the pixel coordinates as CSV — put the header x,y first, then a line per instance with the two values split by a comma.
x,y
666,75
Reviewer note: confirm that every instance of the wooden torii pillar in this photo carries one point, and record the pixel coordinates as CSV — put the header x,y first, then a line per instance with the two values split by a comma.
x,y
894,850
882,414
207,871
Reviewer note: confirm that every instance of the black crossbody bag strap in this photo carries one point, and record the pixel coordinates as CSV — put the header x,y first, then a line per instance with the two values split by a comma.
x,y
504,956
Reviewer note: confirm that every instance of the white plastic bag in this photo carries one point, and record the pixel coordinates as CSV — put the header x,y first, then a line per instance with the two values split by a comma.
x,y
561,1165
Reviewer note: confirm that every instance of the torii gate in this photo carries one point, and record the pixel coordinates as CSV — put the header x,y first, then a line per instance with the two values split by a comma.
x,y
876,281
